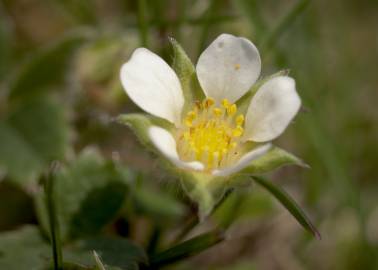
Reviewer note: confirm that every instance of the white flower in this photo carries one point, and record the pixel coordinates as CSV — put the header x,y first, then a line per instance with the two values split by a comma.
x,y
214,136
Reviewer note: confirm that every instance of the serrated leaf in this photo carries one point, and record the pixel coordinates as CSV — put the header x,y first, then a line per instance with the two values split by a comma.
x,y
89,193
187,249
115,253
186,73
24,249
30,138
285,199
46,67
273,159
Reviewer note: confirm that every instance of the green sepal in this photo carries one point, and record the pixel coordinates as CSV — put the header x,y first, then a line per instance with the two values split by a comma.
x,y
186,73
139,123
244,102
204,189
275,158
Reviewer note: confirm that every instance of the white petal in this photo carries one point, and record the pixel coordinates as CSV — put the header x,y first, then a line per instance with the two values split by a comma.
x,y
271,110
153,85
244,161
228,67
166,144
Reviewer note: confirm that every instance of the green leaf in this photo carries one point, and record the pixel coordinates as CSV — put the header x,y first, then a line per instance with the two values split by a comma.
x,y
273,159
30,138
186,73
157,204
289,204
115,253
46,67
89,194
187,249
24,249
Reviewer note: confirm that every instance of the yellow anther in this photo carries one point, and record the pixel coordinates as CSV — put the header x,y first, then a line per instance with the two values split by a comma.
x,y
208,102
237,66
210,134
198,104
217,112
225,103
231,110
240,120
192,115
188,122
238,131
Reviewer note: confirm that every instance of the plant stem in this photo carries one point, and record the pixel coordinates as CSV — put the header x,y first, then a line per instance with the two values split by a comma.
x,y
54,227
194,220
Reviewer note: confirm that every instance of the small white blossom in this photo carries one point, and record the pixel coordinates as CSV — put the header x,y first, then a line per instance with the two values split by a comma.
x,y
214,136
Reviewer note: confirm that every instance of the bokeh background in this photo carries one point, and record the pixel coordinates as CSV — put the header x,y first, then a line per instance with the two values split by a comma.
x,y
60,92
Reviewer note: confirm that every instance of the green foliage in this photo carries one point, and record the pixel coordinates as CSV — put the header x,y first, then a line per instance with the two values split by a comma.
x,y
47,67
273,159
48,108
289,204
30,137
139,123
187,249
24,249
186,72
157,204
89,194
115,253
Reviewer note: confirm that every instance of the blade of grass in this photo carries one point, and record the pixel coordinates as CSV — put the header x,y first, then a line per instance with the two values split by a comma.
x,y
53,222
272,36
187,249
288,202
142,22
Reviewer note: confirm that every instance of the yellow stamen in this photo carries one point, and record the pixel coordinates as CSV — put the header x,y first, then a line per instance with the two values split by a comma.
x,y
211,138
225,103
240,120
238,131
231,110
217,112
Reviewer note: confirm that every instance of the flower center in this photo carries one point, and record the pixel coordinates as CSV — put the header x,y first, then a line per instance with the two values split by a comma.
x,y
211,134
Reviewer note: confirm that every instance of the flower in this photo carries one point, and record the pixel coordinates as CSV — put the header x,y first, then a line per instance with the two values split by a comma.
x,y
212,136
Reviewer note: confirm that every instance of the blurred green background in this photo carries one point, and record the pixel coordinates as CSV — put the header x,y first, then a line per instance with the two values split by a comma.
x,y
60,91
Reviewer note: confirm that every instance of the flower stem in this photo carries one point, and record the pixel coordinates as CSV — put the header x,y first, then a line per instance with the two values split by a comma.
x,y
53,223
194,220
